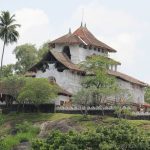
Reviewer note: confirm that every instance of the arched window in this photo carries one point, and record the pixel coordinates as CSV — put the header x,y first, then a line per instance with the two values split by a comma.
x,y
66,50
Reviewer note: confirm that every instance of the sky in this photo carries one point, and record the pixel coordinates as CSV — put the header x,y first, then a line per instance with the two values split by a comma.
x,y
123,25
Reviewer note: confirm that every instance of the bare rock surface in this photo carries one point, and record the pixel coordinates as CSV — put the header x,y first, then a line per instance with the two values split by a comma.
x,y
62,125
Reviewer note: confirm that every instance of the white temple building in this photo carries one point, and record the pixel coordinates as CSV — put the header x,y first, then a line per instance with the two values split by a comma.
x,y
60,64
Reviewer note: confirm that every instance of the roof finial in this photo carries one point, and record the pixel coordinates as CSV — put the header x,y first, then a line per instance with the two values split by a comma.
x,y
82,16
85,25
69,30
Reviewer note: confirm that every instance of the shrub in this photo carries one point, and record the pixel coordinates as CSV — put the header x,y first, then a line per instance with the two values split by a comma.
x,y
118,136
25,132
1,119
26,127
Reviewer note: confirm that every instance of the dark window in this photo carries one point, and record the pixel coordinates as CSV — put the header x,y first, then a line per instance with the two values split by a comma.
x,y
66,50
61,103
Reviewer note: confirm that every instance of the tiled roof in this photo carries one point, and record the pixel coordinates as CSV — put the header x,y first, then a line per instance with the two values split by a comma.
x,y
60,57
82,36
90,39
67,39
65,61
126,78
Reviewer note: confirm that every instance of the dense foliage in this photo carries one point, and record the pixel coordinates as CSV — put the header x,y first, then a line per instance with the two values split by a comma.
x,y
26,55
43,50
23,90
120,136
37,91
7,70
147,94
23,132
98,85
11,86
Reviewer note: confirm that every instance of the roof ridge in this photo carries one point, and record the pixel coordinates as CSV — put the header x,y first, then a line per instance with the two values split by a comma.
x,y
86,35
126,77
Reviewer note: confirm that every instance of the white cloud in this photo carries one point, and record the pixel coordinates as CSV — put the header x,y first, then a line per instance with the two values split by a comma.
x,y
34,25
34,29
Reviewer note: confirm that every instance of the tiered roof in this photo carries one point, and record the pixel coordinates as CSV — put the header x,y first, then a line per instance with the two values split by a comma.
x,y
82,36
127,78
60,57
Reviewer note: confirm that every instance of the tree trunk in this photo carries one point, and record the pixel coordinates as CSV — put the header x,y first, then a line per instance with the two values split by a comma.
x,y
103,111
2,58
86,111
82,110
18,106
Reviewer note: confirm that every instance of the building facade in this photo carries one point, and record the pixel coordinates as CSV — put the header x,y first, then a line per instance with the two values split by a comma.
x,y
65,55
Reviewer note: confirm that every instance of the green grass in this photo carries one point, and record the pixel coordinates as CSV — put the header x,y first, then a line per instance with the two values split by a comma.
x,y
13,118
25,132
10,141
9,121
37,117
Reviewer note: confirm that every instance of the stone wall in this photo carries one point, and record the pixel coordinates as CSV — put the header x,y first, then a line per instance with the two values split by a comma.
x,y
136,91
67,80
71,82
79,54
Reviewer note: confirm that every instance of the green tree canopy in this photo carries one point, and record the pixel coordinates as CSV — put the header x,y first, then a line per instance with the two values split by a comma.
x,y
98,82
83,98
37,91
27,56
8,32
102,83
12,85
147,94
118,136
7,70
43,50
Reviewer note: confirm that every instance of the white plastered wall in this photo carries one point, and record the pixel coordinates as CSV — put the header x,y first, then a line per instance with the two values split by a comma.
x,y
67,80
78,54
136,91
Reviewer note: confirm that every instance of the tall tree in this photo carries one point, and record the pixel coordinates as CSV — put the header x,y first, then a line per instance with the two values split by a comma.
x,y
147,94
11,86
8,32
83,98
43,50
102,85
37,91
27,56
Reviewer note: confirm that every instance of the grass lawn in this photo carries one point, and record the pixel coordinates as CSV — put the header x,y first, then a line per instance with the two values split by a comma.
x,y
76,121
10,120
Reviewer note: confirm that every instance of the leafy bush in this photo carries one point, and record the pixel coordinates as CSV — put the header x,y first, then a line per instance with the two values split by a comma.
x,y
25,132
1,119
26,127
116,137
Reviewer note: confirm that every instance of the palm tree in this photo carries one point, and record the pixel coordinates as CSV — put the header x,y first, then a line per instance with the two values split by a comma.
x,y
8,32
